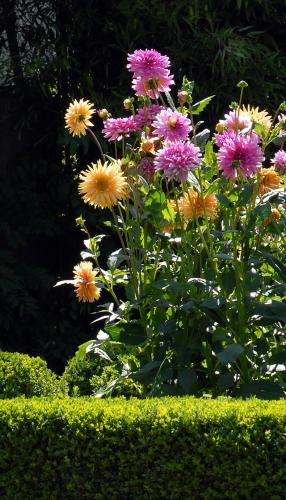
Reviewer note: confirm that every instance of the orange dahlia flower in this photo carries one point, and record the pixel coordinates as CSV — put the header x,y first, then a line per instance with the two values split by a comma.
x,y
103,185
192,205
85,288
268,179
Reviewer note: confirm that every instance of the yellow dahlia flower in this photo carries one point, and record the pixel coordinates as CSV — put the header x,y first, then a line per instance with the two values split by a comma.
x,y
192,205
268,179
78,116
258,116
85,288
103,185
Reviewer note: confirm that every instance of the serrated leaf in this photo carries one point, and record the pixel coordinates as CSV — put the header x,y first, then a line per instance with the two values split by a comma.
x,y
199,106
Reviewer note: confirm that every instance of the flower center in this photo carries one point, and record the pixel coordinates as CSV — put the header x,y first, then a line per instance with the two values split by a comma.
x,y
172,122
102,184
81,117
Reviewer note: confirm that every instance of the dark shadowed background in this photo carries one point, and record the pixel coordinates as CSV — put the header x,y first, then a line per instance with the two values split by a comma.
x,y
53,51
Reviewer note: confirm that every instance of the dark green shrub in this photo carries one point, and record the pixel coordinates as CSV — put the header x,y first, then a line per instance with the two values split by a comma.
x,y
175,448
86,373
22,375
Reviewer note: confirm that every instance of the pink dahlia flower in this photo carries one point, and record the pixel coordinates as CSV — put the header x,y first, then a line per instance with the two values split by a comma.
x,y
241,151
279,161
148,64
171,125
177,159
147,169
282,122
152,87
145,116
116,128
235,120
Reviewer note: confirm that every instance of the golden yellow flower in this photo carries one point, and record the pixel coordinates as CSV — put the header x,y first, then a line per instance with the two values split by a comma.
x,y
268,179
192,205
103,185
258,116
275,216
78,116
85,288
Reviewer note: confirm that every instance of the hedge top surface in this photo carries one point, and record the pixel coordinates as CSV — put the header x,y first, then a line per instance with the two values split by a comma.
x,y
167,448
163,410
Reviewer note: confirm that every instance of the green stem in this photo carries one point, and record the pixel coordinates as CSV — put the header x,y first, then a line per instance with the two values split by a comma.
x,y
96,142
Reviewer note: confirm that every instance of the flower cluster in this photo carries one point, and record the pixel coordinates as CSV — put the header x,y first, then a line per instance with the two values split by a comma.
x,y
158,144
151,73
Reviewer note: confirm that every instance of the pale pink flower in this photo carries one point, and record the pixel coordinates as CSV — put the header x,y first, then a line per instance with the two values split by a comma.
x,y
148,64
152,87
116,128
282,122
234,120
239,151
279,161
177,159
145,116
171,125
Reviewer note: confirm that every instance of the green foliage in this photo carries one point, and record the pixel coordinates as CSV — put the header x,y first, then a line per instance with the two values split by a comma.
x,y
168,448
57,50
22,375
89,372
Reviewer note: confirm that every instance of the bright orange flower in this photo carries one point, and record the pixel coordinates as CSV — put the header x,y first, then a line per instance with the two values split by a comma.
x,y
85,288
268,179
192,205
274,217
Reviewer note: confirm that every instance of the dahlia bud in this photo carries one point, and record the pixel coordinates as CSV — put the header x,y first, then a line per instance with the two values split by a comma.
x,y
103,113
128,104
182,97
242,84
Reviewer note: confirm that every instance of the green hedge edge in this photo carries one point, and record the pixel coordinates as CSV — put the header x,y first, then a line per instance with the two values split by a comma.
x,y
173,448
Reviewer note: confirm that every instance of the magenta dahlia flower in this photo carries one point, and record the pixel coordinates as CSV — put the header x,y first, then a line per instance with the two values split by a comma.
x,y
148,64
279,161
147,169
145,116
116,128
177,159
239,151
171,125
152,87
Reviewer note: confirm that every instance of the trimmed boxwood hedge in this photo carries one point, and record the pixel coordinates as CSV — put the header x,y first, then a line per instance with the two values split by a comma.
x,y
173,448
23,375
